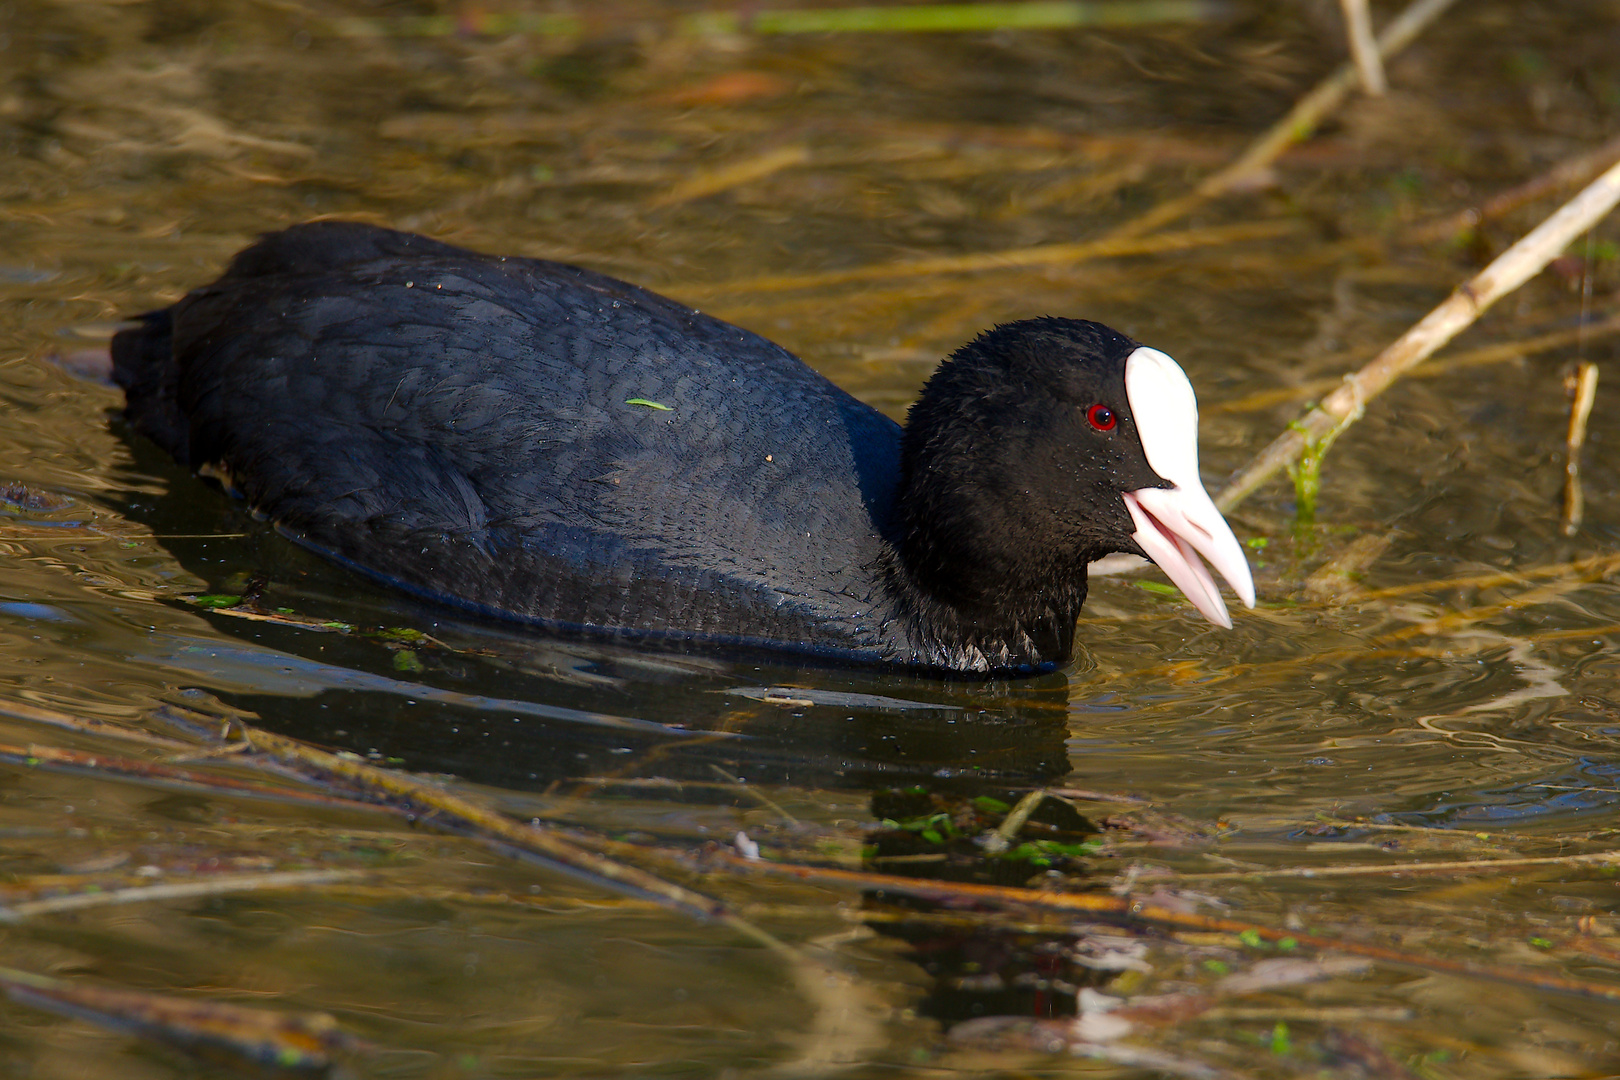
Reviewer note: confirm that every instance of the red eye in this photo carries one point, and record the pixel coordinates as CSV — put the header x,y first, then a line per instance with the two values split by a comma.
x,y
1102,417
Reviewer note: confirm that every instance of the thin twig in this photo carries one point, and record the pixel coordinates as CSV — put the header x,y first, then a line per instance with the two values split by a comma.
x,y
1135,910
1511,269
1039,255
451,812
110,766
1297,126
287,1043
217,885
757,795
1566,174
1453,866
1484,356
1583,391
1363,47
714,181
1002,838
1591,568
34,714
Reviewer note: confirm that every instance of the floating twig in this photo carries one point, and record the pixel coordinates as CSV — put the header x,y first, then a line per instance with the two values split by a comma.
x,y
302,1042
1363,46
1135,910
449,811
1582,387
1511,269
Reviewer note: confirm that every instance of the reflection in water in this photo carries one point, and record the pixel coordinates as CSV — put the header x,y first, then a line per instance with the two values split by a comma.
x,y
524,710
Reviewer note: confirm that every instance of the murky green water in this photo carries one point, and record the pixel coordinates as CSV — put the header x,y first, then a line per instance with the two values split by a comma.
x,y
142,143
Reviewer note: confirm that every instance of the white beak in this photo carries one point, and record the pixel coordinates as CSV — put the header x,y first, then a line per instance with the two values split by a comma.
x,y
1175,525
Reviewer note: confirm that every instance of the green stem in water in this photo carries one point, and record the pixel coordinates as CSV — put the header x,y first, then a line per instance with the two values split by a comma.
x,y
1306,472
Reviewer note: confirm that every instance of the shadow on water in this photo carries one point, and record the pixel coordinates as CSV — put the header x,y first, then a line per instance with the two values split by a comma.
x,y
342,662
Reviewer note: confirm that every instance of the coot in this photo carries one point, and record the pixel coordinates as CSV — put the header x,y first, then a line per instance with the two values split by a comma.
x,y
535,442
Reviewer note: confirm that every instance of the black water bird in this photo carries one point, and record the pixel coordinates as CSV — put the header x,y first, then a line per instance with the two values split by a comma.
x,y
535,442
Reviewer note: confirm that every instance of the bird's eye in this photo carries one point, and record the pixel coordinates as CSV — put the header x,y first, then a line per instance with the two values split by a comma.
x,y
1102,417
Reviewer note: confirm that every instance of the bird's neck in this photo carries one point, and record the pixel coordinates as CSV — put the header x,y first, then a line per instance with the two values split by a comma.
x,y
984,629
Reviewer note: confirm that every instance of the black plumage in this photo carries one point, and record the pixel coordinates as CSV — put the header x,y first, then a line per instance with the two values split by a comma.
x,y
533,441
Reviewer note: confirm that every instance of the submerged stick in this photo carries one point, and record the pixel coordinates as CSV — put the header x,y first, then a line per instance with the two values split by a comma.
x,y
1457,312
714,181
452,813
1296,127
1566,174
1039,255
1135,910
1583,391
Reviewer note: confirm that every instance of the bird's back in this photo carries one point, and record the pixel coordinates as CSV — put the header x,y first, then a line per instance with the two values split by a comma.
x,y
527,439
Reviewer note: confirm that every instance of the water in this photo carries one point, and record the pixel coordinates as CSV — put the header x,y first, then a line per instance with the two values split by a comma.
x,y
143,144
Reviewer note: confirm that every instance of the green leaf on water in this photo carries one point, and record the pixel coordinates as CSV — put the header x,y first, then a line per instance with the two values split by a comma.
x,y
216,600
406,660
660,406
1159,587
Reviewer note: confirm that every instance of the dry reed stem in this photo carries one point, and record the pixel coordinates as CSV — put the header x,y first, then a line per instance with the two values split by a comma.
x,y
1566,174
1511,269
1583,391
106,766
1039,255
37,715
218,885
1297,126
458,815
268,1042
1363,46
1485,356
